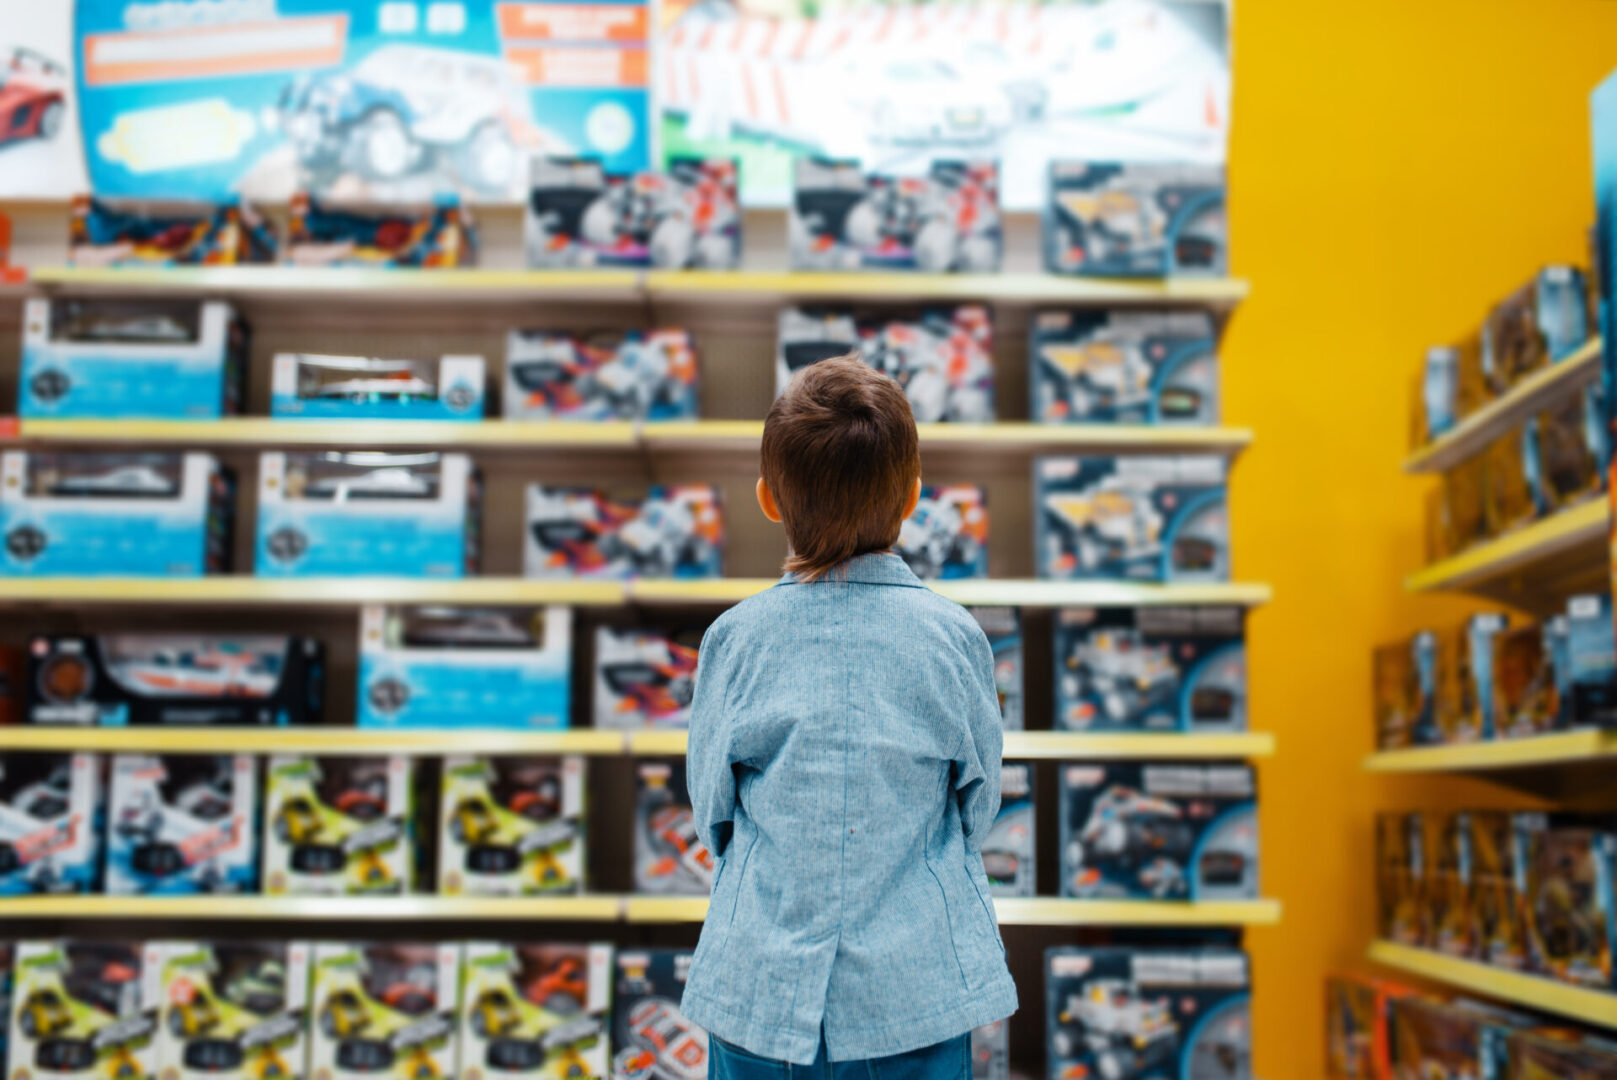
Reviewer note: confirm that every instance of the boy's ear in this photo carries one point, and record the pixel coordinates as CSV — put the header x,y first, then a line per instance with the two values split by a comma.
x,y
766,502
911,502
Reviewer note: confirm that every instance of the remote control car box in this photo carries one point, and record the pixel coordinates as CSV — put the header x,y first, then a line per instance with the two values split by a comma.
x,y
511,826
1108,219
1401,878
1465,682
338,826
228,234
668,855
676,531
1405,690
1124,367
1591,645
1356,1045
644,678
946,537
437,237
385,1011
182,824
1008,852
1501,847
1540,323
651,1037
1569,902
50,823
83,1010
320,387
535,1010
641,375
1449,890
1003,628
1568,451
232,1010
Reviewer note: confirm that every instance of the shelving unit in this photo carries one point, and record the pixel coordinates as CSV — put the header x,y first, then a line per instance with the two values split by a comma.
x,y
1029,911
1590,1006
1569,545
1569,748
1054,745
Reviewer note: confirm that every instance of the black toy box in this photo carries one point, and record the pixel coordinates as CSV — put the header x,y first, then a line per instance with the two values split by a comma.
x,y
651,1038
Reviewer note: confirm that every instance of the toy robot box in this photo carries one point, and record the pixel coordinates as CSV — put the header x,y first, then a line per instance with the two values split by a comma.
x,y
1138,1014
669,858
946,537
93,359
1434,1040
1530,1056
1567,451
384,1011
364,512
1151,669
1569,902
1527,668
1591,651
1108,219
438,237
231,234
448,667
129,515
651,1038
133,680
1501,845
182,824
1449,889
1136,518
1401,878
581,215
1356,1026
1008,851
843,218
1465,680
639,375
644,678
1405,690
511,826
1138,830
1003,628
338,826
50,823
676,531
318,387
991,1051
1540,323
535,1011
943,357
234,1010
1124,367
83,1010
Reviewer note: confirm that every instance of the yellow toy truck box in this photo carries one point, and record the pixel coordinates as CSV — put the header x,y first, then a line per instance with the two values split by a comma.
x,y
234,1010
337,826
535,1012
80,1011
384,1011
511,826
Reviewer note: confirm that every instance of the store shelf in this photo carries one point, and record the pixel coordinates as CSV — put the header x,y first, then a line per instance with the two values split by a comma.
x,y
245,591
1057,745
262,432
1013,437
1473,434
664,909
587,908
308,740
1569,748
657,743
772,287
1546,995
1570,543
1029,911
392,285
988,591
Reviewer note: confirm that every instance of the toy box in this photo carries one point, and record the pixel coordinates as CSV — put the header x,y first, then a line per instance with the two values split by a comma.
x,y
13,685
447,667
676,531
132,680
1008,851
1436,402
385,1011
1124,367
535,1011
1568,451
182,823
646,375
1405,690
512,826
1140,518
50,823
235,1010
7,959
1531,1056
1569,903
581,215
93,359
363,512
1507,485
1526,687
991,1051
943,357
1591,654
1003,628
1449,920
338,825
1432,1040
83,1010
1401,878
1540,323
1138,830
1465,683
1137,1014
315,387
644,678
1500,849
946,537
668,856
100,235
1107,219
1356,1026
440,237
1150,669
651,1037
843,218
1464,522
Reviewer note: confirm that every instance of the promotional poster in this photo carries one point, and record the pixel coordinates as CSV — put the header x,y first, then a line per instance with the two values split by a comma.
x,y
39,125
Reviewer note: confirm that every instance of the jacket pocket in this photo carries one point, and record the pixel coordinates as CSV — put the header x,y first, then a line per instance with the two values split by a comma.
x,y
953,920
727,885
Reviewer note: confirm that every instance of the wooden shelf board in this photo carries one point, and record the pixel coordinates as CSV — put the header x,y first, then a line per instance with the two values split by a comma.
x,y
1536,992
308,740
1566,540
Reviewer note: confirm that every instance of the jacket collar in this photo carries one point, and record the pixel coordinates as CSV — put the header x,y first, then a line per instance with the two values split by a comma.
x,y
877,568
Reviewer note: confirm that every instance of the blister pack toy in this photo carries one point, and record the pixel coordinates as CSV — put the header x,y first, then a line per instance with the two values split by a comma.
x,y
319,387
1405,692
676,531
535,1011
648,375
1501,848
1434,1040
843,218
511,826
50,823
232,1010
1465,680
644,678
338,826
1531,1056
83,1010
1110,219
1124,367
182,824
439,237
1008,850
1003,628
1449,889
1568,451
1527,680
668,855
651,1037
946,536
231,234
384,1011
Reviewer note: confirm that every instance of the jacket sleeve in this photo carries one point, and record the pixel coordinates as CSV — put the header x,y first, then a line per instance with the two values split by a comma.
x,y
709,771
977,763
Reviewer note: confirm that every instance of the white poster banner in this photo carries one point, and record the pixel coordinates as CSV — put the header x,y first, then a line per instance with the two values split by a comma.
x,y
41,155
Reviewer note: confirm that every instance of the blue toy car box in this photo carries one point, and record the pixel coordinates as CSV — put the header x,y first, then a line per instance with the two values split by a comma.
x,y
644,678
1134,518
1124,367
85,1010
1592,660
440,237
1109,219
125,515
338,826
1003,628
668,856
182,824
535,1010
90,359
511,826
101,235
641,375
364,512
50,823
1008,851
946,537
233,1010
308,386
676,531
651,1038
435,667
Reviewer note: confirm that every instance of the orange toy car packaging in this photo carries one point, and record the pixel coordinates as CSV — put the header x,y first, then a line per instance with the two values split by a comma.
x,y
1356,1026
535,1010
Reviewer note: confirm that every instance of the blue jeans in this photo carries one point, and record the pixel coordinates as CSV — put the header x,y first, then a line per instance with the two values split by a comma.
x,y
947,1060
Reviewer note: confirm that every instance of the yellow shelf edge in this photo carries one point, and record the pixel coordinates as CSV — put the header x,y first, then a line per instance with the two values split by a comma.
x,y
308,592
1053,911
1034,437
586,907
1592,1006
1033,592
253,431
313,740
1583,524
1564,748
281,279
1085,746
658,743
664,909
1012,287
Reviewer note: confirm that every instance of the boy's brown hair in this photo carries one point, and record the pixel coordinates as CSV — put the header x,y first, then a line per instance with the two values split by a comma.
x,y
840,455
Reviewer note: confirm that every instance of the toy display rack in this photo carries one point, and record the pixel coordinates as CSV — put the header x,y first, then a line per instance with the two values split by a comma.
x,y
1590,1006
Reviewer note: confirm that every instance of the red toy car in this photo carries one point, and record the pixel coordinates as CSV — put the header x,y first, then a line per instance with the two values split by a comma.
x,y
33,96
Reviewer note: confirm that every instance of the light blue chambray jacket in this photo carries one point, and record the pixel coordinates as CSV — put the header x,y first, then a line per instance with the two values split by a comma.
x,y
844,768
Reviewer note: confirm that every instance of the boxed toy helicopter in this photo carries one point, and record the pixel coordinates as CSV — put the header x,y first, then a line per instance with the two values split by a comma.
x,y
1003,628
1569,903
652,1038
93,359
644,678
364,512
511,826
991,1051
1356,1026
182,824
1434,1040
1008,851
228,234
130,515
450,667
50,823
581,215
1405,691
535,1011
676,531
1159,831
1401,878
1540,323
1124,367
1111,219
437,237
317,387
1449,889
1568,451
1139,518
648,375
384,1011
1501,846
1136,1014
1591,651
668,855
231,1010
943,357
136,679
83,1010
338,826
946,537
1465,683
1151,669
843,218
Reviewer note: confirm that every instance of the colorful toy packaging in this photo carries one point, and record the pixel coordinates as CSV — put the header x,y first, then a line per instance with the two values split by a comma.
x,y
1501,845
1437,398
1507,483
991,1051
442,237
1008,851
1591,668
13,685
1401,878
644,678
676,531
182,824
1527,669
1003,628
1124,367
388,1011
1107,219
843,218
535,1011
338,825
231,1010
83,1010
306,386
1431,1040
1567,451
668,856
1356,1044
653,1039
1530,1056
227,235
7,962
1569,902
50,823
1449,887
447,667
1540,323
1138,518
512,826
639,375
946,537
1464,522
1465,682
1405,693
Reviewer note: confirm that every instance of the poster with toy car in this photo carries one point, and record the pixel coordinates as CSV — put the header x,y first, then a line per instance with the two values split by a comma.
x,y
337,826
232,1010
40,152
946,536
532,1012
668,856
384,1011
651,1038
81,1010
512,826
644,678
181,824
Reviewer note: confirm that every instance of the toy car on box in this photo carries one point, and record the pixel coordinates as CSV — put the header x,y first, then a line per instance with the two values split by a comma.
x,y
130,515
1138,1014
1136,830
1003,628
304,385
338,826
1540,323
1568,451
1501,846
511,826
1405,691
535,1010
226,235
640,375
232,1010
843,218
1124,367
1108,219
50,817
1569,902
1465,684
182,824
652,1038
1591,660
1139,518
946,537
1449,887
676,531
991,1051
1356,1026
668,855
1532,1056
33,96
1401,878
644,678
448,667
1527,680
1151,669
135,679
943,357
442,237
384,1010
83,1010
1008,851
581,215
